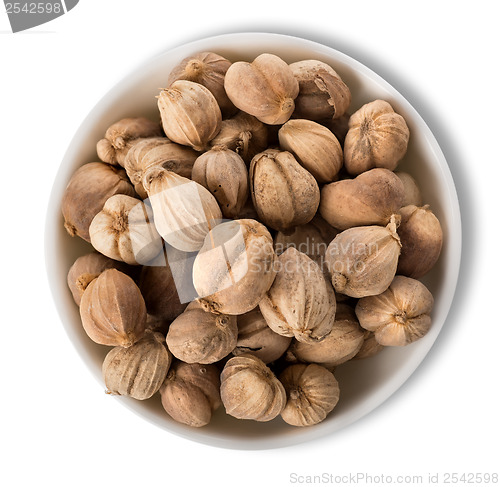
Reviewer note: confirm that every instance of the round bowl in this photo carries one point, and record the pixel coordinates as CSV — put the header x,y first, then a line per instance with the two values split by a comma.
x,y
364,384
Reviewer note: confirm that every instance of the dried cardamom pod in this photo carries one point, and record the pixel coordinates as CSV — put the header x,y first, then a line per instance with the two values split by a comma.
x,y
190,114
421,239
235,267
120,137
300,302
184,211
113,311
311,392
139,370
207,69
244,134
159,289
275,172
363,260
224,174
190,393
322,93
398,316
412,191
124,230
256,338
157,151
199,336
250,390
314,147
87,191
369,199
377,137
342,343
85,269
265,88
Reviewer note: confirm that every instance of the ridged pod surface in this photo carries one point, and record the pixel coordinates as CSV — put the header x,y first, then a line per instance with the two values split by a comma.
x,y
377,137
157,151
190,114
363,260
301,302
235,267
124,230
137,371
113,311
87,191
312,393
265,88
199,336
191,393
250,390
184,211
284,194
400,315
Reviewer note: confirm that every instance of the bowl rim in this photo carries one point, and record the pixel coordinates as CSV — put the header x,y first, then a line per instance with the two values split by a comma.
x,y
53,219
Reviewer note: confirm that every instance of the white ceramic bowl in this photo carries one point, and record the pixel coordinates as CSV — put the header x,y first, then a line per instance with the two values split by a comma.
x,y
364,384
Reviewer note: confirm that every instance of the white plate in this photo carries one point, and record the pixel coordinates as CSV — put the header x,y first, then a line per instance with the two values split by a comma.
x,y
364,384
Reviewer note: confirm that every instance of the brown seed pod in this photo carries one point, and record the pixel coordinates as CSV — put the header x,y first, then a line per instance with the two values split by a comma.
x,y
224,174
265,88
322,93
342,343
311,392
256,338
273,173
243,134
113,311
412,191
250,390
398,316
377,137
207,69
370,346
85,269
120,137
159,290
184,211
124,230
199,336
369,199
314,147
139,370
235,267
190,114
301,302
311,239
363,260
157,151
190,393
87,191
421,239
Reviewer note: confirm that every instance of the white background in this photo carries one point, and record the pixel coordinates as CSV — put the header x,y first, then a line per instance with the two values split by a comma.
x,y
58,428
